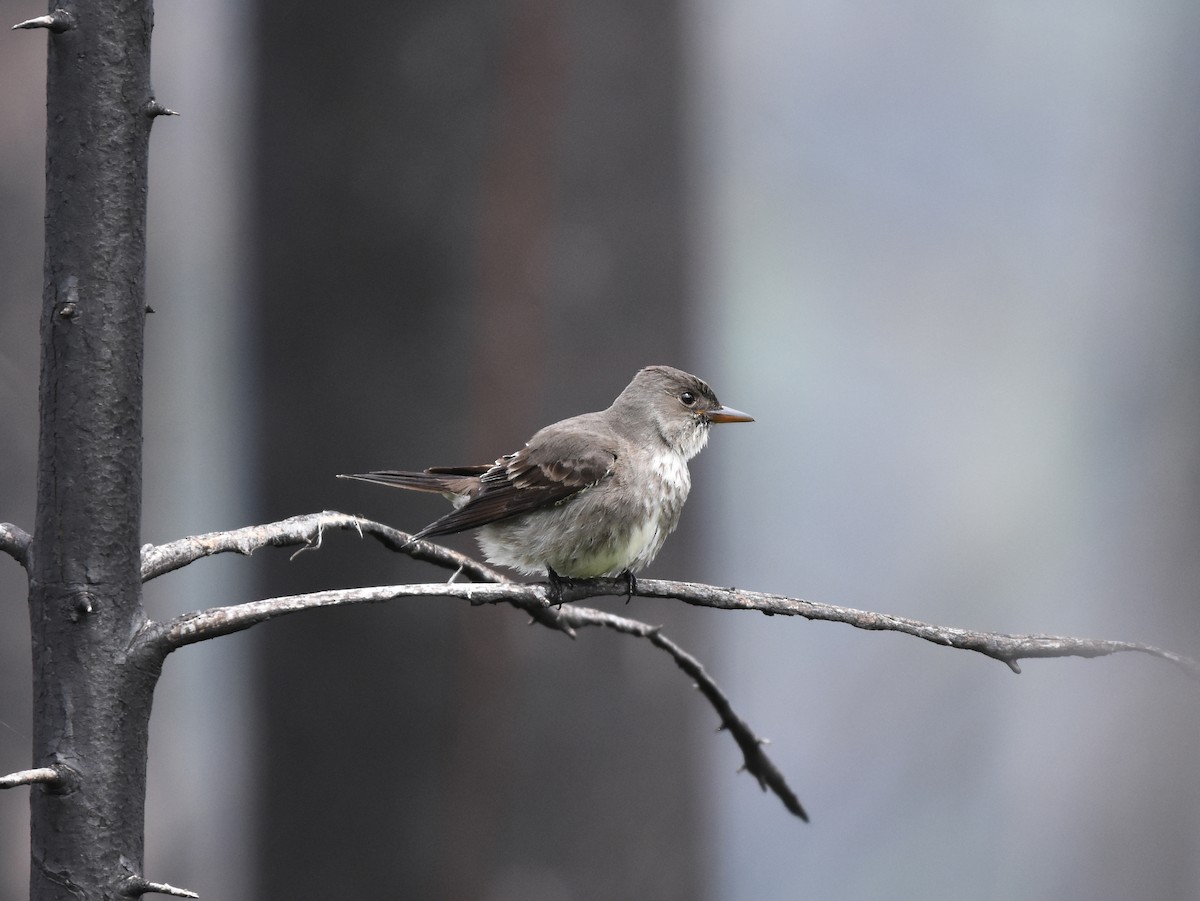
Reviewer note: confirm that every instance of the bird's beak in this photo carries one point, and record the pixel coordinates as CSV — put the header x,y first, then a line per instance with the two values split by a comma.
x,y
727,414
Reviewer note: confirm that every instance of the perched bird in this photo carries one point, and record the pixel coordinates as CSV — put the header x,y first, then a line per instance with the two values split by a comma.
x,y
593,495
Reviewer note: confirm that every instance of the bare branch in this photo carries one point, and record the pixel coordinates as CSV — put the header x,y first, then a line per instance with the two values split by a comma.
x,y
202,625
1000,646
306,531
205,624
15,542
47,774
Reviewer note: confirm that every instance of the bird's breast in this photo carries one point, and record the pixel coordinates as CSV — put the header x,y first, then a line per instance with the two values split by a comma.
x,y
669,476
663,487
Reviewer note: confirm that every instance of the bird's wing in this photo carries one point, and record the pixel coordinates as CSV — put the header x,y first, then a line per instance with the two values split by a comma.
x,y
541,474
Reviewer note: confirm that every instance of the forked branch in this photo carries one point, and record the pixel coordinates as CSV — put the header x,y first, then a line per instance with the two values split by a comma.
x,y
159,639
307,531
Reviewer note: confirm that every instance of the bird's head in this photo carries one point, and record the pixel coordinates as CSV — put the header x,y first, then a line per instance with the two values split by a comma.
x,y
675,407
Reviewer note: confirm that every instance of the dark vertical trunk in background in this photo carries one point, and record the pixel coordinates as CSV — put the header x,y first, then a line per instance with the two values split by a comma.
x,y
91,701
469,224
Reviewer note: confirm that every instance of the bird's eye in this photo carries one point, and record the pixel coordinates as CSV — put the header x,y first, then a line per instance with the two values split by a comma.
x,y
688,398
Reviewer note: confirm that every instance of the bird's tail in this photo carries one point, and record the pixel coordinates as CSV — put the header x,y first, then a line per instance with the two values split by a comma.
x,y
452,481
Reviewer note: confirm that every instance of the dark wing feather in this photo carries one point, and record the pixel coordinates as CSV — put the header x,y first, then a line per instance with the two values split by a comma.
x,y
534,477
459,470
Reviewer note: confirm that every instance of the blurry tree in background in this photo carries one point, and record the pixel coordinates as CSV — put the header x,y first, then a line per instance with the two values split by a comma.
x,y
452,203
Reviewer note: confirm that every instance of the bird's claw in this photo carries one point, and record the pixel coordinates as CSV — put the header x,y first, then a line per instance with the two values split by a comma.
x,y
630,584
554,587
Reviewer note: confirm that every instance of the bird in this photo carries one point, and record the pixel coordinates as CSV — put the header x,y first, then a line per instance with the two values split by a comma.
x,y
595,495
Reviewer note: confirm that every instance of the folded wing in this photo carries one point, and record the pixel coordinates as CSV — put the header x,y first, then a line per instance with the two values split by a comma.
x,y
521,482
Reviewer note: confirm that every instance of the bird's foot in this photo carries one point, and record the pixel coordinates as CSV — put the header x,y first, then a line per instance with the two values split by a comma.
x,y
554,587
630,584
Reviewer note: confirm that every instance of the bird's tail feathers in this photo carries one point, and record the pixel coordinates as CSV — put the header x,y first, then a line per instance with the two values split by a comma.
x,y
453,481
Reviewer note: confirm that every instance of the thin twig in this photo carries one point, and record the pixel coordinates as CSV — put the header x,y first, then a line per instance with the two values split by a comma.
x,y
15,542
1006,648
757,763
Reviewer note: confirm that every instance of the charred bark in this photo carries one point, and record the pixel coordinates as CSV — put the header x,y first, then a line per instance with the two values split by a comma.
x,y
91,696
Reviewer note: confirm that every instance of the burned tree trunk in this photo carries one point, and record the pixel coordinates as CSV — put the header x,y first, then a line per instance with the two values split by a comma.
x,y
91,696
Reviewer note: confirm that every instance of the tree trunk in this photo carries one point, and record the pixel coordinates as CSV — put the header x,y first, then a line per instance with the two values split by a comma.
x,y
506,218
91,698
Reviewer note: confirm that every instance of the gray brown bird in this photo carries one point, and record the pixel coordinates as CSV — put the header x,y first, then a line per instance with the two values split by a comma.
x,y
593,495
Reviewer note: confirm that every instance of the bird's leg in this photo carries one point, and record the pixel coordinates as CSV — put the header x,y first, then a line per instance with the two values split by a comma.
x,y
630,584
554,586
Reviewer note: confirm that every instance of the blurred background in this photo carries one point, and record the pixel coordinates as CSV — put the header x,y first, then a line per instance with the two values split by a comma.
x,y
945,254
